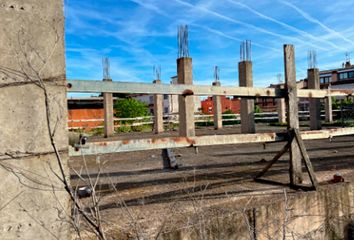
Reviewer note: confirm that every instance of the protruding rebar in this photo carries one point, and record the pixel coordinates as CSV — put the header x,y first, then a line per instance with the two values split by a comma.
x,y
157,72
106,68
216,74
246,51
312,59
182,37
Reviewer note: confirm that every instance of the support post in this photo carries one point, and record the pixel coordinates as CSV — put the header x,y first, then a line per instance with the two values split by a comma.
x,y
313,78
281,109
328,109
247,105
186,101
292,117
217,109
108,113
158,111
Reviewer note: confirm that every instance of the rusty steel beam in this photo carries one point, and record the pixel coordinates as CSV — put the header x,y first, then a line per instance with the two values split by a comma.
x,y
94,148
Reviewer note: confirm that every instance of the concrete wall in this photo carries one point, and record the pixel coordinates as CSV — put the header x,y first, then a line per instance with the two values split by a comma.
x,y
33,203
325,214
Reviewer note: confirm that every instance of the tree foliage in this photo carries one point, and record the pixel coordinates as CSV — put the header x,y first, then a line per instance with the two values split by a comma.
x,y
130,108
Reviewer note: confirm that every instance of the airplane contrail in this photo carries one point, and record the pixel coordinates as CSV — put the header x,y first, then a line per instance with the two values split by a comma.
x,y
229,19
212,30
309,18
287,26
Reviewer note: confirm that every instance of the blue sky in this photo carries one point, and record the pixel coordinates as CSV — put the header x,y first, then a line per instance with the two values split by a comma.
x,y
138,34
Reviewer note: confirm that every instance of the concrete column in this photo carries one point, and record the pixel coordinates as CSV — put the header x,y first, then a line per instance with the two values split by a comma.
x,y
108,113
185,102
217,109
281,109
313,78
247,105
293,113
158,111
33,201
328,109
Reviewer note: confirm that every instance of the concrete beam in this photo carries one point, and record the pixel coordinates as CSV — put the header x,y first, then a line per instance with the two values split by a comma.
x,y
92,86
158,111
292,117
313,78
217,109
108,113
185,101
93,148
247,105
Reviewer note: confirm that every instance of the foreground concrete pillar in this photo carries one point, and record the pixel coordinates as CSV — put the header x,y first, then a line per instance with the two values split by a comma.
x,y
158,111
217,109
108,113
247,105
313,78
293,112
33,107
185,102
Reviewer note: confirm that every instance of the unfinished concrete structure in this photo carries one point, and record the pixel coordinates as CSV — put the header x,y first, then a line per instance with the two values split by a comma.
x,y
186,101
217,109
328,109
315,104
246,80
247,105
158,111
108,113
33,120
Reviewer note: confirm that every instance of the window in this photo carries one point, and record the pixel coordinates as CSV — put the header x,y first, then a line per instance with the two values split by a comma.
x,y
151,99
325,80
350,74
165,96
343,76
165,110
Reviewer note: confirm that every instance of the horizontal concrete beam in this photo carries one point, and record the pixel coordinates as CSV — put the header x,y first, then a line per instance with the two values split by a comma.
x,y
88,86
180,142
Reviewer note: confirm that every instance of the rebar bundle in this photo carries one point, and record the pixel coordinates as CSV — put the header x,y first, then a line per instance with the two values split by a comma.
x,y
106,68
246,51
182,37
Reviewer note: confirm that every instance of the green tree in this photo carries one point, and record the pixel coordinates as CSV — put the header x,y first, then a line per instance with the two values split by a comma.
x,y
130,108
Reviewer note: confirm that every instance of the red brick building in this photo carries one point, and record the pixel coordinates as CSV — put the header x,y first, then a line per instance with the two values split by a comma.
x,y
226,104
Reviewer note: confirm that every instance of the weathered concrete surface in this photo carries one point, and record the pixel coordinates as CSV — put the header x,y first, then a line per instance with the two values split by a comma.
x,y
325,214
247,105
158,111
313,77
217,109
328,109
33,204
185,102
108,113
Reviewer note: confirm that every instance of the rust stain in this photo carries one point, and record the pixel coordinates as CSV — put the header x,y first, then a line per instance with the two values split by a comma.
x,y
268,92
126,141
258,95
102,144
310,95
187,92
